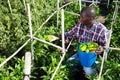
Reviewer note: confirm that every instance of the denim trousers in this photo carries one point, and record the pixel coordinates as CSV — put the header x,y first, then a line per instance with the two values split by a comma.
x,y
73,63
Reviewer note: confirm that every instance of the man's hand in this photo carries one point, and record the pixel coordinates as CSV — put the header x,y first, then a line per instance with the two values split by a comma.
x,y
101,19
53,38
100,50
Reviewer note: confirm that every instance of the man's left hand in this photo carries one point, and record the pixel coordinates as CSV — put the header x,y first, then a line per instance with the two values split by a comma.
x,y
100,50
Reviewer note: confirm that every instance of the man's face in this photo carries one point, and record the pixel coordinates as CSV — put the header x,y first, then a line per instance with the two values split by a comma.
x,y
85,20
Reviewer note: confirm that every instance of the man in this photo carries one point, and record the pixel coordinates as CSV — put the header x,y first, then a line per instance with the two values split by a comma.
x,y
86,30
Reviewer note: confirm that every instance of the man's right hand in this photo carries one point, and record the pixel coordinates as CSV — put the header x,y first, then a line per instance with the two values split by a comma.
x,y
53,38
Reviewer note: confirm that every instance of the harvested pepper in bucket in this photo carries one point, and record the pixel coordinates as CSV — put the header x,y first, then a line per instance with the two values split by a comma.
x,y
92,46
83,47
89,47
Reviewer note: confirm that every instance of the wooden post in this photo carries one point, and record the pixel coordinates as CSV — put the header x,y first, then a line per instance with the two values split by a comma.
x,y
5,61
108,43
62,23
63,46
47,43
27,66
31,35
80,4
50,17
57,11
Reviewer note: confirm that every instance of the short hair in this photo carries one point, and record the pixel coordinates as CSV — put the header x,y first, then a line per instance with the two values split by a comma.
x,y
89,11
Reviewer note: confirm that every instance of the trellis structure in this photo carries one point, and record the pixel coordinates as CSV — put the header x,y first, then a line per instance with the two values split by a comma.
x,y
63,43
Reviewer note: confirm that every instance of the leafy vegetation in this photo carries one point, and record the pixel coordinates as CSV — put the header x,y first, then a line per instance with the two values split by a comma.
x,y
14,28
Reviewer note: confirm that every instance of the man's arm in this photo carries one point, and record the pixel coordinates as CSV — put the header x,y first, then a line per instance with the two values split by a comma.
x,y
102,41
70,34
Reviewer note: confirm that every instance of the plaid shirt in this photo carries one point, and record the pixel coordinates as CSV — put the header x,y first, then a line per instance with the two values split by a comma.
x,y
97,33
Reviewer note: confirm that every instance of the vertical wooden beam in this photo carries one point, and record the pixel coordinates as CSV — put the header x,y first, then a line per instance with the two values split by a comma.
x,y
63,46
63,37
80,4
57,11
27,66
31,35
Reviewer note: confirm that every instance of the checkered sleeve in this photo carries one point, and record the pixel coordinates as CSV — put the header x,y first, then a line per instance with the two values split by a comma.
x,y
103,37
73,32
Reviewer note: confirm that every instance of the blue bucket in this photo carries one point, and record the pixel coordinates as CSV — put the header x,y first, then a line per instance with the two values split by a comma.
x,y
87,59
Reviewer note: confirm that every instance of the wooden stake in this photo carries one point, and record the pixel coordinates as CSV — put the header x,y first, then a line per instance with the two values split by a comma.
x,y
31,35
5,61
27,65
47,43
57,11
51,16
63,37
72,13
63,46
80,4
114,48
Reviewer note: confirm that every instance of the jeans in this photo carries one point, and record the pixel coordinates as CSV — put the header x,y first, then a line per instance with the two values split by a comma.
x,y
73,63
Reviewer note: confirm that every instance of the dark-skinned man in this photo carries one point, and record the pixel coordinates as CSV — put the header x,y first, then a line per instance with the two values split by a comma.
x,y
86,30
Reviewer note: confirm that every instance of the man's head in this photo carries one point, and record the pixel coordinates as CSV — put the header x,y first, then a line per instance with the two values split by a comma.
x,y
87,15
